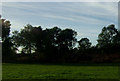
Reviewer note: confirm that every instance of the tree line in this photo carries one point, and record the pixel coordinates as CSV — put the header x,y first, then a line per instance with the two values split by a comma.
x,y
33,44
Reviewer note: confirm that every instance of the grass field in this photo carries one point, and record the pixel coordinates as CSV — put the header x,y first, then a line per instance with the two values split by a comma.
x,y
39,71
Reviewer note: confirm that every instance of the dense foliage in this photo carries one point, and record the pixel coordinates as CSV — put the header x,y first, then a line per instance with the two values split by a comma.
x,y
33,44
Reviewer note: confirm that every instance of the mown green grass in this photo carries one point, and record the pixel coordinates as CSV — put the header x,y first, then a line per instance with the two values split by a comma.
x,y
39,71
0,71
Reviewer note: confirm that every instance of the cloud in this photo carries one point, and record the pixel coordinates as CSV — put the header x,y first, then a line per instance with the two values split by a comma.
x,y
0,8
92,13
60,1
88,18
78,12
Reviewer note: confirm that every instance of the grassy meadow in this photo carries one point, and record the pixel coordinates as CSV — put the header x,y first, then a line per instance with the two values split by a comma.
x,y
42,71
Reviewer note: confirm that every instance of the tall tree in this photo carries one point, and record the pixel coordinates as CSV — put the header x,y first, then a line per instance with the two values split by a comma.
x,y
66,39
116,38
24,39
6,40
49,42
84,43
36,37
107,35
5,29
50,36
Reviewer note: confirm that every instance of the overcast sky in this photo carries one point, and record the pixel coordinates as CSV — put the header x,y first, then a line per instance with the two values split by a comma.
x,y
87,18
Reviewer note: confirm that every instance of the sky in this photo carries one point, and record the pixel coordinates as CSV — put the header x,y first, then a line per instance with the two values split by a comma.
x,y
86,18
119,15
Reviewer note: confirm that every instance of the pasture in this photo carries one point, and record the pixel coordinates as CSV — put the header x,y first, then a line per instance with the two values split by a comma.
x,y
42,71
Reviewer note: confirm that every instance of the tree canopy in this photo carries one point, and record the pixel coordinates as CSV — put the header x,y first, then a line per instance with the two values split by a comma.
x,y
107,35
56,44
84,43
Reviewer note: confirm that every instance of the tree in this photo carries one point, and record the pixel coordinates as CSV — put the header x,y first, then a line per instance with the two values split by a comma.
x,y
6,40
107,36
16,40
49,42
116,38
24,39
66,39
5,29
84,43
36,37
50,36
